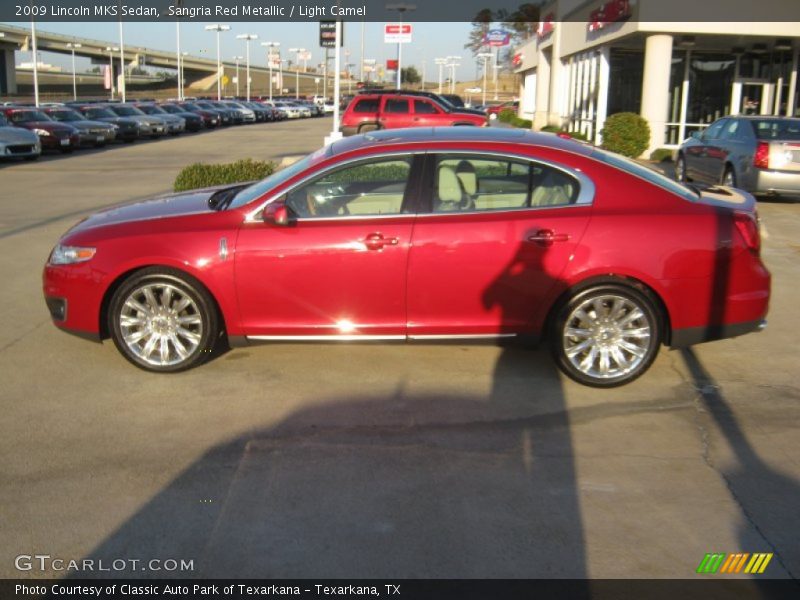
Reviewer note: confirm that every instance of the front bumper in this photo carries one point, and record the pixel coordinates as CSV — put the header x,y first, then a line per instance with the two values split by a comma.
x,y
73,298
21,150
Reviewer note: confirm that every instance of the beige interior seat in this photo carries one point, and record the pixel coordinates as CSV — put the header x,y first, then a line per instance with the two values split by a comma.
x,y
465,171
553,189
450,193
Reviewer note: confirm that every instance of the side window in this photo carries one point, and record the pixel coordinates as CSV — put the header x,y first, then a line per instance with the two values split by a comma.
x,y
396,105
714,131
467,183
423,107
731,130
371,188
366,105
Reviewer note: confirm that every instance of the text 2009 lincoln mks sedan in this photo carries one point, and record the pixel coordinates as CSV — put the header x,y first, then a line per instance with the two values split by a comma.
x,y
452,233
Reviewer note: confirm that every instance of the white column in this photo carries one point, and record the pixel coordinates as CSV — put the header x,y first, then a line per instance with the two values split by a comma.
x,y
790,101
655,87
543,84
604,71
557,81
766,99
736,88
685,97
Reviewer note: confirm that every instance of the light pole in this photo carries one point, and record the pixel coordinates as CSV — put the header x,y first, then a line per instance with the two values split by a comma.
x,y
441,62
111,50
237,59
451,62
218,28
121,63
35,63
270,46
297,52
484,56
178,56
348,66
72,47
247,37
401,8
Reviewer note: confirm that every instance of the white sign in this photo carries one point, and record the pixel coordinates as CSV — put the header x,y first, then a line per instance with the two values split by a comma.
x,y
396,33
305,56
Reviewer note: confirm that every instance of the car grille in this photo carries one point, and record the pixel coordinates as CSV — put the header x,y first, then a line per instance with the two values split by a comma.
x,y
20,148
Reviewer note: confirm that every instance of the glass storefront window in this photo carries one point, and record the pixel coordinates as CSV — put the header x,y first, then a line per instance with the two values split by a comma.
x,y
710,80
627,71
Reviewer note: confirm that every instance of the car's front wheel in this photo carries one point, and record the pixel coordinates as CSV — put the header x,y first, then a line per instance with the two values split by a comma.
x,y
607,335
680,169
163,320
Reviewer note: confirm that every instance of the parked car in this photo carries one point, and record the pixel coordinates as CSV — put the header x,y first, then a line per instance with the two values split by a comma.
x,y
211,118
455,234
290,111
16,142
262,113
236,117
175,125
149,126
453,100
247,115
760,154
52,134
92,133
371,111
127,129
494,110
193,122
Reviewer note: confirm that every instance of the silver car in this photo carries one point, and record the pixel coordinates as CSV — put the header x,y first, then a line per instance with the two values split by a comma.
x,y
151,126
760,154
18,142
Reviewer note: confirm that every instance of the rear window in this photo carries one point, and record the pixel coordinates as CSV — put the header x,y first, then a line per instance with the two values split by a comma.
x,y
396,105
366,105
777,129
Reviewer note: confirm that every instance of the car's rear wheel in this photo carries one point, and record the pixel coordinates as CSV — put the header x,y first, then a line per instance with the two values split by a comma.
x,y
606,335
729,177
163,320
680,169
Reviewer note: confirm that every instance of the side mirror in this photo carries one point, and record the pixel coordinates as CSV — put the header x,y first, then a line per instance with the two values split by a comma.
x,y
276,214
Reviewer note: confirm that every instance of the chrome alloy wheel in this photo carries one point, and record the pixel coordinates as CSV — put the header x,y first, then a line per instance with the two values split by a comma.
x,y
607,336
160,324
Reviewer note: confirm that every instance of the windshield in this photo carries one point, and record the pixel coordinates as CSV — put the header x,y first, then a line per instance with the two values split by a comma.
x,y
127,111
98,113
205,105
260,188
170,108
27,116
654,177
66,115
152,110
777,129
189,106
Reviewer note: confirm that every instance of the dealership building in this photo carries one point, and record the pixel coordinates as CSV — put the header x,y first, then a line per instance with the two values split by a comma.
x,y
591,59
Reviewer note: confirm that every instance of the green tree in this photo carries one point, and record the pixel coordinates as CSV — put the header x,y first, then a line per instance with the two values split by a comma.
x,y
410,75
480,27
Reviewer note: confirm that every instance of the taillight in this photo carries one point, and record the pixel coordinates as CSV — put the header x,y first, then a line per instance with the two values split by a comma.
x,y
747,226
761,157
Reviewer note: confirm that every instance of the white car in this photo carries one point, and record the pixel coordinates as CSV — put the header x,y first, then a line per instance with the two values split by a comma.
x,y
290,110
18,142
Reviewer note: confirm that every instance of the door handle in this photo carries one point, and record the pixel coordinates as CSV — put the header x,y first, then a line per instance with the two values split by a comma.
x,y
376,241
546,237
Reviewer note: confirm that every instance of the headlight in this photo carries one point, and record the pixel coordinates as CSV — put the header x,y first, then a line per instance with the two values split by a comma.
x,y
67,255
143,125
114,127
42,132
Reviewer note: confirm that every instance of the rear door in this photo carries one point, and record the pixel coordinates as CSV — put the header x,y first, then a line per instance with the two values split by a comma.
x,y
396,113
497,234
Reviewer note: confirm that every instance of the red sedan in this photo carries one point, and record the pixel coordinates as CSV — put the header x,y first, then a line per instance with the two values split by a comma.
x,y
422,234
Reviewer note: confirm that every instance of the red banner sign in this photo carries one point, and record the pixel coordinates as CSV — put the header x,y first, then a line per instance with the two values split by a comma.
x,y
546,26
610,12
391,64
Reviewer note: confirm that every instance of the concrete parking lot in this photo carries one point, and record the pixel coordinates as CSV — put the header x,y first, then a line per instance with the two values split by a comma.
x,y
377,460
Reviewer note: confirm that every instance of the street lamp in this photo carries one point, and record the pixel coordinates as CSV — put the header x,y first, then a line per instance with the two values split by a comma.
x,y
401,8
72,47
349,77
121,62
270,46
218,28
297,52
451,62
237,59
484,56
111,50
247,37
441,62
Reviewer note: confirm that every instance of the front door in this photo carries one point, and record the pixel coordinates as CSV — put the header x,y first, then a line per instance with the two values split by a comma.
x,y
338,270
499,234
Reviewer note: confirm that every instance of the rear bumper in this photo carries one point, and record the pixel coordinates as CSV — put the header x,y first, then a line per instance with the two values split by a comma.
x,y
697,335
779,183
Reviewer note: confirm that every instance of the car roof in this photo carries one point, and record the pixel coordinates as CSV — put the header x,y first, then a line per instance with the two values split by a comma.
x,y
421,135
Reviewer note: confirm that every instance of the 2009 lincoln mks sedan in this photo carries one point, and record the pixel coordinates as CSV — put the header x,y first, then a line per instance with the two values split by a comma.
x,y
423,234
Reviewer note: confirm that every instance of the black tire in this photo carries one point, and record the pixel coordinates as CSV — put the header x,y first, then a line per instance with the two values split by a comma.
x,y
728,177
604,337
67,150
680,169
202,309
32,158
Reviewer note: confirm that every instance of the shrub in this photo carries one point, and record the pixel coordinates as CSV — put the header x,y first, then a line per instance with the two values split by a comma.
x,y
627,134
661,155
200,175
573,134
509,116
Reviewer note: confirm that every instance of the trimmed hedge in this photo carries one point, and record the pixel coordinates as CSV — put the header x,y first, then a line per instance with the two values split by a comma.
x,y
661,155
509,115
201,175
627,134
573,134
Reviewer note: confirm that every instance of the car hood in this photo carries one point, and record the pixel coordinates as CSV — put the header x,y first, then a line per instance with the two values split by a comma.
x,y
47,126
160,207
10,135
84,125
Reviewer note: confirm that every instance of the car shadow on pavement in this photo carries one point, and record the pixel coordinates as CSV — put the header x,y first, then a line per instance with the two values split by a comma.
x,y
768,500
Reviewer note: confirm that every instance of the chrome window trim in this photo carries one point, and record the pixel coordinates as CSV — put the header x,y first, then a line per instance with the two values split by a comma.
x,y
321,338
585,194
